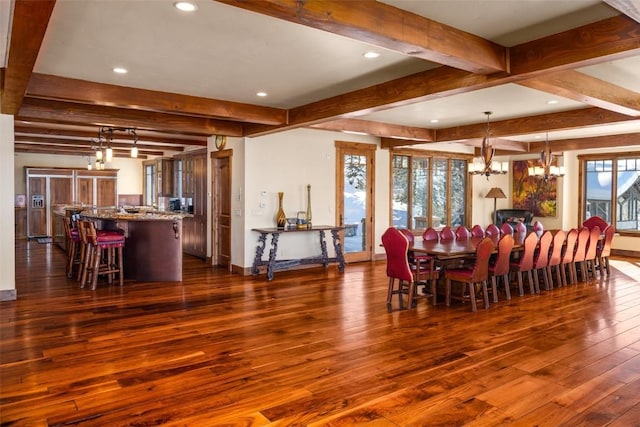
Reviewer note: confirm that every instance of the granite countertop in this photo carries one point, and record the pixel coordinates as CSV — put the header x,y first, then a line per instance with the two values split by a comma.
x,y
147,216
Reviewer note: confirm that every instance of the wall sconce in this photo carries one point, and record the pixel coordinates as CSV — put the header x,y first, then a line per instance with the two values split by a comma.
x,y
484,165
546,170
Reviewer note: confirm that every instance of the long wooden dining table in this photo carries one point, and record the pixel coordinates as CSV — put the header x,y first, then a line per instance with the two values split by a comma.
x,y
447,251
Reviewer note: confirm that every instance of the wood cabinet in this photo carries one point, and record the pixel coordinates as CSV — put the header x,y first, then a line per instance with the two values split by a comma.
x,y
96,188
165,177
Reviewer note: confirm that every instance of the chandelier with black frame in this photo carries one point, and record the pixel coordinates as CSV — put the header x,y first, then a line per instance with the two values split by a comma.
x,y
103,145
485,165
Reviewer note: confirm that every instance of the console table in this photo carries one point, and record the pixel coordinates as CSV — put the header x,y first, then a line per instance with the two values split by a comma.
x,y
275,265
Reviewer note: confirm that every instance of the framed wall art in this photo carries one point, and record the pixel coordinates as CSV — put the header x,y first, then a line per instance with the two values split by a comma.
x,y
532,192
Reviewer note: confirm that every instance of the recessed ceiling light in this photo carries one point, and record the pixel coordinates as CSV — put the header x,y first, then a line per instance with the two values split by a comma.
x,y
371,55
552,101
120,70
353,132
261,94
434,121
185,6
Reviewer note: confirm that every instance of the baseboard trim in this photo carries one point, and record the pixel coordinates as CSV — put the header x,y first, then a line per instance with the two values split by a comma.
x,y
8,295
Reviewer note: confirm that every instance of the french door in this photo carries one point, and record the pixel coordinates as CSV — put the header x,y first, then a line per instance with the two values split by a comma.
x,y
355,173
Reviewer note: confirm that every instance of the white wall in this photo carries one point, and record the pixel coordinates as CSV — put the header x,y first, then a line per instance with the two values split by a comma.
x,y
7,201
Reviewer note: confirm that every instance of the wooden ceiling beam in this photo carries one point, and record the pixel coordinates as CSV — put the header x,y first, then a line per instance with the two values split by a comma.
x,y
85,92
79,114
30,20
420,135
589,90
92,144
37,130
446,81
70,151
388,27
620,140
606,40
534,124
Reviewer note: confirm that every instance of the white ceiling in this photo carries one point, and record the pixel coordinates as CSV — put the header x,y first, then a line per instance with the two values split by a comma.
x,y
223,52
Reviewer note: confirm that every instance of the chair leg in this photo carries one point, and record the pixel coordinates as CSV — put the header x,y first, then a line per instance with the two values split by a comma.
x,y
485,294
120,266
447,292
390,293
494,289
412,294
507,291
520,287
472,295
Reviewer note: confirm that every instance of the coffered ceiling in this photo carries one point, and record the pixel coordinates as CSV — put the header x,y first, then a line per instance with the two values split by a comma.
x,y
569,68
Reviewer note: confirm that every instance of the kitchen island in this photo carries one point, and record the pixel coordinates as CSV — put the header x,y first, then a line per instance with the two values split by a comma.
x,y
153,245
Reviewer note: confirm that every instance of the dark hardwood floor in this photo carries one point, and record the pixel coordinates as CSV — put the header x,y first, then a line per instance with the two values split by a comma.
x,y
313,347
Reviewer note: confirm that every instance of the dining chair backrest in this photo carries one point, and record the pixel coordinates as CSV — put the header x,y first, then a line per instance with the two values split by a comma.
x,y
538,227
541,258
462,232
408,234
581,246
481,266
526,259
477,231
492,231
447,233
592,246
555,256
520,227
506,228
595,221
430,234
396,246
605,249
570,246
505,246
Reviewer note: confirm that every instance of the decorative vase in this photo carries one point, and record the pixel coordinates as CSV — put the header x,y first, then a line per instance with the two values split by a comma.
x,y
281,218
308,205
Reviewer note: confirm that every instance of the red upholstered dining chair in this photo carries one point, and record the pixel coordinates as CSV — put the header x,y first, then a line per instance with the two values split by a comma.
x,y
525,263
492,231
447,233
478,274
422,265
595,221
541,260
580,255
430,234
477,231
538,227
520,227
591,254
555,258
499,269
462,232
566,265
604,250
506,228
396,247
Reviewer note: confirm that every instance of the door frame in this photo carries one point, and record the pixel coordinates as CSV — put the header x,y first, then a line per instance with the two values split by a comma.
x,y
215,190
362,149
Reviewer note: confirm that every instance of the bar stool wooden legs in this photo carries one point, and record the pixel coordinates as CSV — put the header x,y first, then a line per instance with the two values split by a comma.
x,y
73,241
102,256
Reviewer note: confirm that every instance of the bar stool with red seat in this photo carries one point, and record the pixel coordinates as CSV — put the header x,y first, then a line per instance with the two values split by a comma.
x,y
102,247
73,241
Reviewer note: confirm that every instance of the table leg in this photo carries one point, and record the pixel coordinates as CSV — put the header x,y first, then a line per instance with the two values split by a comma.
x,y
323,249
262,242
272,255
338,248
